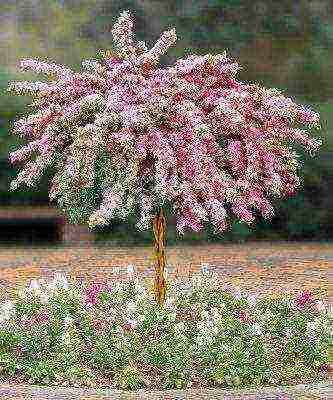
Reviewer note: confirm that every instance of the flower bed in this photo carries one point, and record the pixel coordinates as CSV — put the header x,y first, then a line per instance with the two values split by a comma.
x,y
112,334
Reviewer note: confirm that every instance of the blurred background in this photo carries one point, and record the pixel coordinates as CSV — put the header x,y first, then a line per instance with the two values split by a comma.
x,y
285,44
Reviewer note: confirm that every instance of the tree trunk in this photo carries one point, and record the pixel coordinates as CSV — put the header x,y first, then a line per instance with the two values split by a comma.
x,y
159,224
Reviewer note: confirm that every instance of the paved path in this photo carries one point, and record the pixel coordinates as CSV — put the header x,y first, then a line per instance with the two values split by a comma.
x,y
321,391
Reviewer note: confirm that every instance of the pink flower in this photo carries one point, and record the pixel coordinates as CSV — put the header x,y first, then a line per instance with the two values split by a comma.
x,y
130,325
98,324
263,204
241,211
187,135
45,68
237,160
307,116
127,327
42,318
182,156
23,152
178,97
244,317
93,291
193,79
178,118
304,298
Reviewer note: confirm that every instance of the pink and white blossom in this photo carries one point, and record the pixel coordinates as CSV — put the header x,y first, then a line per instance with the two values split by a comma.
x,y
161,129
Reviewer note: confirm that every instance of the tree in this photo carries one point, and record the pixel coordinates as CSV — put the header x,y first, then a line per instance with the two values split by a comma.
x,y
127,137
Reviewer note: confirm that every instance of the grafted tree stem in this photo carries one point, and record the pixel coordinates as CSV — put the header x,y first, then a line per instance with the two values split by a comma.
x,y
159,225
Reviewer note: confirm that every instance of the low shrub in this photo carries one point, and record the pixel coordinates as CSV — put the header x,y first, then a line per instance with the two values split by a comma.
x,y
114,334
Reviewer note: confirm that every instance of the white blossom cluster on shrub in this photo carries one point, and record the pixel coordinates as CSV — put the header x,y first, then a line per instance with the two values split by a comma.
x,y
126,136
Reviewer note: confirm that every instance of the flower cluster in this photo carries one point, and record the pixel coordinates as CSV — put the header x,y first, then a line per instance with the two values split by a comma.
x,y
113,333
126,136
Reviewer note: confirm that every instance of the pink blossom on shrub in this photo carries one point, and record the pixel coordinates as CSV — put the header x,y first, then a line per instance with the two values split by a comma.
x,y
42,317
243,316
304,298
93,291
130,325
98,324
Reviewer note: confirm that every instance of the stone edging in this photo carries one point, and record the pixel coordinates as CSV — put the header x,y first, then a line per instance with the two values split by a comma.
x,y
322,391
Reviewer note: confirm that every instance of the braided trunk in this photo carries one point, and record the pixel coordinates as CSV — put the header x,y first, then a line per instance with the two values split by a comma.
x,y
159,224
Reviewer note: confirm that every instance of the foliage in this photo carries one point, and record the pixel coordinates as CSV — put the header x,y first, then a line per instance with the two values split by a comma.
x,y
129,378
207,334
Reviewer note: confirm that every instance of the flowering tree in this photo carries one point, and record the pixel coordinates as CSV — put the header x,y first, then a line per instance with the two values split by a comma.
x,y
126,136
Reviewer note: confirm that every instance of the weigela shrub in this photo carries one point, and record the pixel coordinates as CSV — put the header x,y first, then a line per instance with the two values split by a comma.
x,y
125,136
114,333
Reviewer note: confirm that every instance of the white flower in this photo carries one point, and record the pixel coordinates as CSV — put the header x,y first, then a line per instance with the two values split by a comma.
x,y
216,314
22,294
237,293
252,299
289,333
172,316
24,317
119,331
212,327
132,322
44,297
237,118
268,315
131,307
256,329
224,348
130,269
205,314
180,326
8,306
204,268
33,286
204,339
66,338
321,306
68,321
201,340
7,310
118,286
311,326
141,318
60,281
110,319
201,326
170,302
196,280
139,287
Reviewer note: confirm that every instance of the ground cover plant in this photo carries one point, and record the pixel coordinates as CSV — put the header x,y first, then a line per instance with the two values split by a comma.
x,y
125,136
113,334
